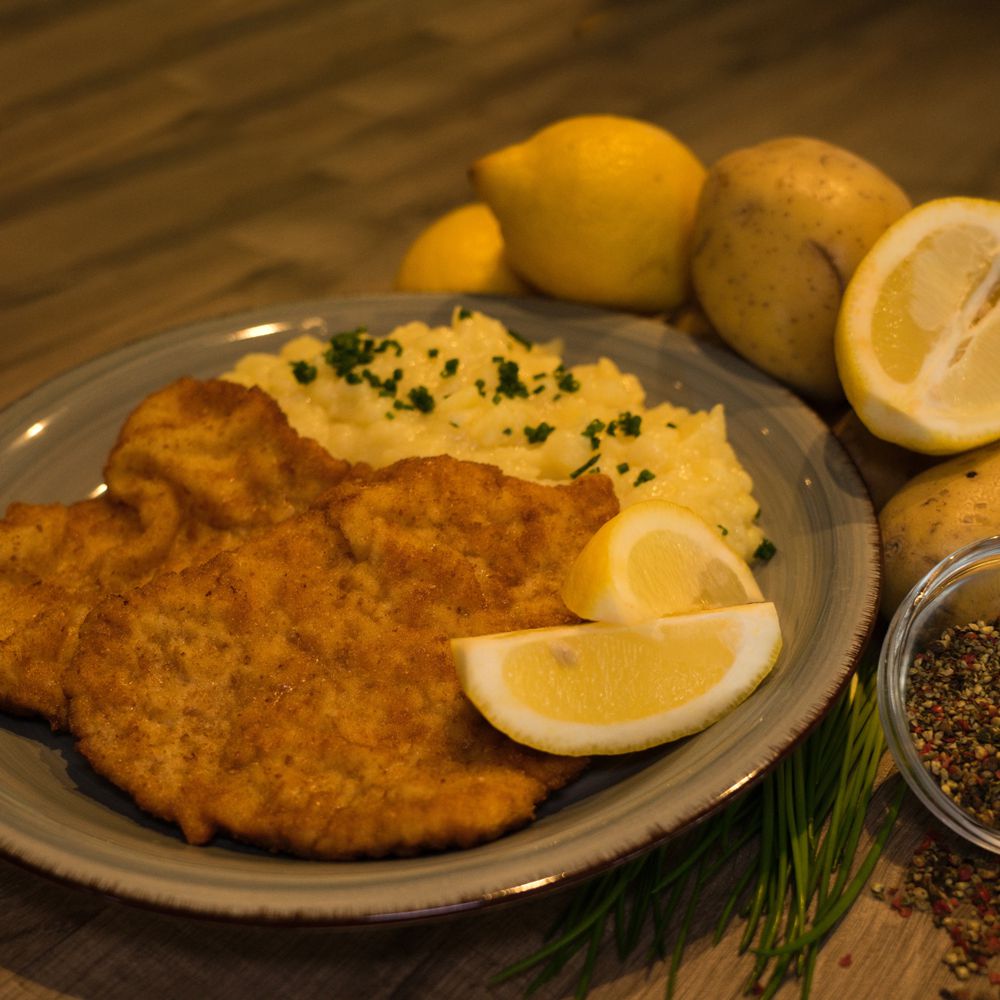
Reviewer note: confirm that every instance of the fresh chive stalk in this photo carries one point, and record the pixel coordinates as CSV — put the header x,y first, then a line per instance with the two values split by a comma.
x,y
796,835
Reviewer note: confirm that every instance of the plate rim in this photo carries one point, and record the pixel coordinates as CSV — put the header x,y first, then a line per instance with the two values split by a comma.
x,y
147,348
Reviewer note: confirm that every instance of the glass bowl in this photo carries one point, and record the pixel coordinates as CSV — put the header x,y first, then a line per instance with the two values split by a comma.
x,y
963,588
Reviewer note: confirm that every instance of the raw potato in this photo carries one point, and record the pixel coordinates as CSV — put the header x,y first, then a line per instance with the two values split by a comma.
x,y
780,228
884,467
946,506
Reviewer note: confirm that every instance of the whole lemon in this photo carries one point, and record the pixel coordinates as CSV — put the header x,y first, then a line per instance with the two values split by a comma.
x,y
597,209
462,251
781,227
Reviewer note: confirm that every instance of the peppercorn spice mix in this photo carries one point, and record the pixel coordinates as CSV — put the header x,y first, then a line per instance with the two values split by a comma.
x,y
953,706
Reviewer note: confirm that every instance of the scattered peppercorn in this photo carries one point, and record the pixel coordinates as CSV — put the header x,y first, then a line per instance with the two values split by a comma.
x,y
958,886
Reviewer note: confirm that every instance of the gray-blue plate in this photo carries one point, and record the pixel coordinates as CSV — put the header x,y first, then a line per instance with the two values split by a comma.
x,y
59,818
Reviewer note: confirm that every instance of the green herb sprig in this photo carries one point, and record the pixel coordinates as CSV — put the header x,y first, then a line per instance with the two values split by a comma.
x,y
795,838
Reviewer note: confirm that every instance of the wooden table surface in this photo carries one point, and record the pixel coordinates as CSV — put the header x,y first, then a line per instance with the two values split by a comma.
x,y
164,162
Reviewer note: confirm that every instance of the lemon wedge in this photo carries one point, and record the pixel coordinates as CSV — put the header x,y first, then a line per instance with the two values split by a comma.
x,y
656,558
607,689
918,335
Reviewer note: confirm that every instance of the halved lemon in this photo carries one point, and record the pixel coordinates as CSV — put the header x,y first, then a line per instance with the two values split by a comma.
x,y
607,689
656,558
918,335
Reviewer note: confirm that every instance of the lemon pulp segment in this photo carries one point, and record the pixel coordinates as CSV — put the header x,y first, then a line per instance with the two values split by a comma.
x,y
652,573
619,675
927,307
899,343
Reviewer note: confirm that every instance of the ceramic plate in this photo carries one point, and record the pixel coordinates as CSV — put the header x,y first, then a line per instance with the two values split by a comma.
x,y
59,818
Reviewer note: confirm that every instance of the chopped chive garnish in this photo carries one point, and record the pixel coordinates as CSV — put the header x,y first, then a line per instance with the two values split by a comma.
x,y
525,343
536,435
622,468
303,372
723,529
421,399
450,367
509,381
765,550
627,423
644,477
592,430
790,847
567,381
586,465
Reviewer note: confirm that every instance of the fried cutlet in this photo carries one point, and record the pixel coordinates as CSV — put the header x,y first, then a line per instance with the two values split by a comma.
x,y
197,466
299,692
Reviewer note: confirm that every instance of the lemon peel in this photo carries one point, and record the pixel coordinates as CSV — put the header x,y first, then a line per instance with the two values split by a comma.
x,y
597,209
461,251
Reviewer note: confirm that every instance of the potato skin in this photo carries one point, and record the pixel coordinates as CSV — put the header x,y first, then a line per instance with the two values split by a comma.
x,y
885,467
946,506
780,229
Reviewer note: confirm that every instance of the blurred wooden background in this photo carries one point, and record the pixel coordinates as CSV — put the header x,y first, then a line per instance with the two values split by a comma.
x,y
163,162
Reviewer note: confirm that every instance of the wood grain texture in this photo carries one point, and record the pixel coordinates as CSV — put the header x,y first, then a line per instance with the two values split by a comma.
x,y
163,163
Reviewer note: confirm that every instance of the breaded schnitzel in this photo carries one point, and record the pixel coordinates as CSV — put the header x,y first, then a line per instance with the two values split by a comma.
x,y
299,691
197,466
